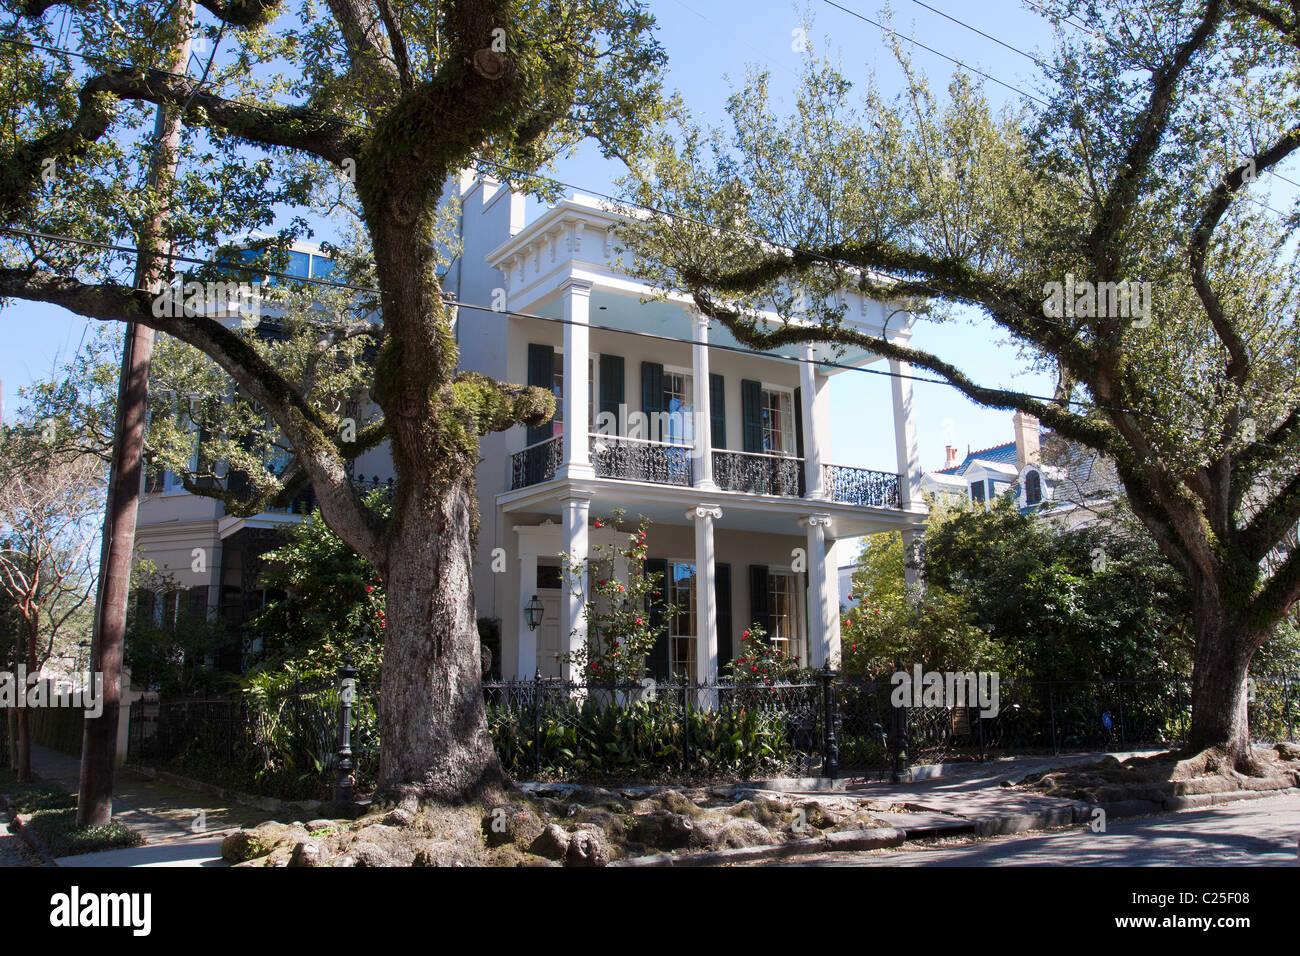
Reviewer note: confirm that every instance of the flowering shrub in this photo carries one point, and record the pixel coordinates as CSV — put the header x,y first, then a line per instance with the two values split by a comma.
x,y
619,634
762,661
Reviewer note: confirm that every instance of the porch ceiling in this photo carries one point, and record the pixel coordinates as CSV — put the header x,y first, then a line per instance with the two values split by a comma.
x,y
616,310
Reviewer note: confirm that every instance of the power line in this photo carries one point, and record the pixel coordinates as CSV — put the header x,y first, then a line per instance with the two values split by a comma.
x,y
994,79
1044,64
231,267
953,60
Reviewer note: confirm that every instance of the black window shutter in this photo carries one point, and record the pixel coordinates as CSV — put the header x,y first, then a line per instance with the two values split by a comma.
x,y
717,411
611,384
652,388
759,611
541,373
657,662
798,422
751,410
722,577
198,603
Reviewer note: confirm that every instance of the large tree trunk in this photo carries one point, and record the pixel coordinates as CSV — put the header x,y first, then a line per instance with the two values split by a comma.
x,y
434,726
1221,660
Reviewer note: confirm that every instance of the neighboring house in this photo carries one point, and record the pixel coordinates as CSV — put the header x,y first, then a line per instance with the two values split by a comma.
x,y
726,450
1047,474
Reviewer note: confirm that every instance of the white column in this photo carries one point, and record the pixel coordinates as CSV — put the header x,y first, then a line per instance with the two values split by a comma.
x,y
706,594
833,553
911,572
526,669
909,456
574,624
812,453
703,449
577,450
819,609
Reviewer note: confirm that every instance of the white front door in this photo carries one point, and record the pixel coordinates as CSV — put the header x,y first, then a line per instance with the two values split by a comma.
x,y
549,647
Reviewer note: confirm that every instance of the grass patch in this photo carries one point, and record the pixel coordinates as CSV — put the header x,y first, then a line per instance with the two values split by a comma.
x,y
52,813
59,832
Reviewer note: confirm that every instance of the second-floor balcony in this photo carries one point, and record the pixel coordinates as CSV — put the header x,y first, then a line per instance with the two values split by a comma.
x,y
668,463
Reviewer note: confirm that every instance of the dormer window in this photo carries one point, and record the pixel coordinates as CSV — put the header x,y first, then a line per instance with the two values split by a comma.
x,y
1033,488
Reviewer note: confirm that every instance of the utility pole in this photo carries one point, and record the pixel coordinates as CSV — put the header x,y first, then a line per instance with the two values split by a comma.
x,y
99,738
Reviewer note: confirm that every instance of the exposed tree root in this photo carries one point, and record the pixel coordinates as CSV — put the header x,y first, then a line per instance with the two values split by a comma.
x,y
1173,772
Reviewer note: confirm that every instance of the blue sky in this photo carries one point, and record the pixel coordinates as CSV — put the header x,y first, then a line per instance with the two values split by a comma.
x,y
710,44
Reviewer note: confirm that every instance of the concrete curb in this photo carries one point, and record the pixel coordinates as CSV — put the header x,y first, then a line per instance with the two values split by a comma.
x,y
27,833
872,839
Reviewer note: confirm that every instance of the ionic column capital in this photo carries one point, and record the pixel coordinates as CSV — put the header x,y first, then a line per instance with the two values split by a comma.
x,y
711,512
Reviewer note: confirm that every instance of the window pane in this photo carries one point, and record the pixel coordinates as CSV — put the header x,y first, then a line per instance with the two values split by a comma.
x,y
681,582
778,423
321,268
678,402
299,265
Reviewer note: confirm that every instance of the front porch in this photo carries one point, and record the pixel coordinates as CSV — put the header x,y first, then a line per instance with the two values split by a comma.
x,y
739,558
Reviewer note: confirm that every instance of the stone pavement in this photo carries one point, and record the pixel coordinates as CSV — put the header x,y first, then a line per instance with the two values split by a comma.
x,y
972,797
1249,833
158,811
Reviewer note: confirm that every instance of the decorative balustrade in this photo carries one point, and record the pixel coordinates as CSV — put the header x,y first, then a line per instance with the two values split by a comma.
x,y
860,486
536,463
634,459
758,474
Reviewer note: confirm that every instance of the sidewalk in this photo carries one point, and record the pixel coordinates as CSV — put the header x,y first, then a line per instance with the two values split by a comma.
x,y
159,812
972,797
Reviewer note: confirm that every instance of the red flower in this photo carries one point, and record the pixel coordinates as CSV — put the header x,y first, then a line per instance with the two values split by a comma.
x,y
602,582
754,670
620,587
854,646
746,634
875,610
369,588
639,621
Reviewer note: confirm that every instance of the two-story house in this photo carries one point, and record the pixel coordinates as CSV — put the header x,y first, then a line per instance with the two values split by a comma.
x,y
659,413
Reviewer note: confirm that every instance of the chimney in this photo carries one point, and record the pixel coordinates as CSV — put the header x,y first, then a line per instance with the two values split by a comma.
x,y
1026,440
950,455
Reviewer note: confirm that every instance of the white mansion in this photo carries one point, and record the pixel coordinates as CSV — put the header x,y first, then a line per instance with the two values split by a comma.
x,y
727,451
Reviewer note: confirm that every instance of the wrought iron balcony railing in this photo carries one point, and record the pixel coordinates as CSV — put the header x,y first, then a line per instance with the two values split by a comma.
x,y
634,459
758,474
536,463
860,486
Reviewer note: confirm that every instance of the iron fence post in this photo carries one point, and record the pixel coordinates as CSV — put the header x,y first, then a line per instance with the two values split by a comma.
x,y
830,747
898,730
537,721
686,727
1123,741
1286,706
347,675
1178,690
1051,710
979,723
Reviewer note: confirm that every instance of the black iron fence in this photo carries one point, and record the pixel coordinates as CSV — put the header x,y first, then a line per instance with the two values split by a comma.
x,y
825,725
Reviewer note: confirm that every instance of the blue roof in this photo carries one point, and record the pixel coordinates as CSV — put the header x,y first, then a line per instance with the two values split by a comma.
x,y
998,454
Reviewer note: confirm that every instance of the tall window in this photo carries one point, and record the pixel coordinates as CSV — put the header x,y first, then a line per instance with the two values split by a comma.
x,y
778,422
681,634
557,389
678,402
782,600
977,492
